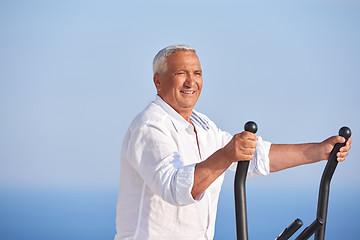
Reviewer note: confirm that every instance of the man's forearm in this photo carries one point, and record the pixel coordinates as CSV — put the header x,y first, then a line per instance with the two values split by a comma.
x,y
240,148
284,156
208,171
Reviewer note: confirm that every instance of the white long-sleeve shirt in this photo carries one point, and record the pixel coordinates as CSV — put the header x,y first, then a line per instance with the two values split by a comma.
x,y
158,159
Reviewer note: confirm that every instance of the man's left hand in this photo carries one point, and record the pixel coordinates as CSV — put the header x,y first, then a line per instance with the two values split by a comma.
x,y
329,144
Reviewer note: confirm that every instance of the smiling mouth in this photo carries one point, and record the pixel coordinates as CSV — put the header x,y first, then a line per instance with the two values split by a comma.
x,y
187,92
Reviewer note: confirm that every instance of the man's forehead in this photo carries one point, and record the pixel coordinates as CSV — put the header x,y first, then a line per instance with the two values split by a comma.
x,y
184,57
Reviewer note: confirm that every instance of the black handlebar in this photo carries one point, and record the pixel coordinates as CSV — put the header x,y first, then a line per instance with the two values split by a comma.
x,y
240,191
318,226
325,183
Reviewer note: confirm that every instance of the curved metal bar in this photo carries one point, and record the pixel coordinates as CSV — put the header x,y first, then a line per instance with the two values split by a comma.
x,y
240,192
324,188
310,230
290,230
240,200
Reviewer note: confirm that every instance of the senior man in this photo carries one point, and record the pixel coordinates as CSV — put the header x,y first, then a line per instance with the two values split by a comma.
x,y
173,158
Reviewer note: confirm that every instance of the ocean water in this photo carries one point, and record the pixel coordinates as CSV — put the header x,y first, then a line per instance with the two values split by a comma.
x,y
57,214
69,214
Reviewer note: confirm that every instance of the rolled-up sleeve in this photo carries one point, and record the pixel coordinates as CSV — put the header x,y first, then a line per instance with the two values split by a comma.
x,y
154,155
260,164
184,184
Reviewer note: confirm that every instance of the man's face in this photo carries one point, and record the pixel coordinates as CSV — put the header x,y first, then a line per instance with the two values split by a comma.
x,y
180,85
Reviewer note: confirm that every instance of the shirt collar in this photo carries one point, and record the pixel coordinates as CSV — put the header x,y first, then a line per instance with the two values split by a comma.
x,y
179,122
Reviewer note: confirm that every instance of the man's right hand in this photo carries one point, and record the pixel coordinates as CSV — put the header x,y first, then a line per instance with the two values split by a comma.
x,y
241,147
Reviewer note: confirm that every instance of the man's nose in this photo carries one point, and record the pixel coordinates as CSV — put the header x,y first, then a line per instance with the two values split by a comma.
x,y
190,80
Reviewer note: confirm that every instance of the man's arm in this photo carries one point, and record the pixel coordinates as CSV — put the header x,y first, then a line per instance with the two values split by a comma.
x,y
240,148
284,156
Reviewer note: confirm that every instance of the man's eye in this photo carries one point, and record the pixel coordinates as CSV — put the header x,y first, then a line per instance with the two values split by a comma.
x,y
180,73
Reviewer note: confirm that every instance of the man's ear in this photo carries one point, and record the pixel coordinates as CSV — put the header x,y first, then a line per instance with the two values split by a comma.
x,y
157,81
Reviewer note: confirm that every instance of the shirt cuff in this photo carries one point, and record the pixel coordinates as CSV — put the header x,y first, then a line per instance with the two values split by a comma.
x,y
184,185
260,164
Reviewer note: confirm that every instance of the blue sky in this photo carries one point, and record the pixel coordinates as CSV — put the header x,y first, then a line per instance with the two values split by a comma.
x,y
73,74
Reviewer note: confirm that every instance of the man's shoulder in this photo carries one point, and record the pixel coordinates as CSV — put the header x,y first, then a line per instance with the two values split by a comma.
x,y
152,114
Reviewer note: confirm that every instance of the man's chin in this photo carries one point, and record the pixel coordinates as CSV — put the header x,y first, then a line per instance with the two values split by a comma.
x,y
188,106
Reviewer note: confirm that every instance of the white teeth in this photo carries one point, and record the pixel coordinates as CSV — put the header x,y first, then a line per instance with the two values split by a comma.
x,y
188,92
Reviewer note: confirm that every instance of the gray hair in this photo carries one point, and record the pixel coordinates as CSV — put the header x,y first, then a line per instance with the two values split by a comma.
x,y
159,62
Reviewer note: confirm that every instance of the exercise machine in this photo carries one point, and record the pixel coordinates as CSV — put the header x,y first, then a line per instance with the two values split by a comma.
x,y
317,226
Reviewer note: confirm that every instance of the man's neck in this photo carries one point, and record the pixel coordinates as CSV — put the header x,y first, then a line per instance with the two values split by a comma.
x,y
186,115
